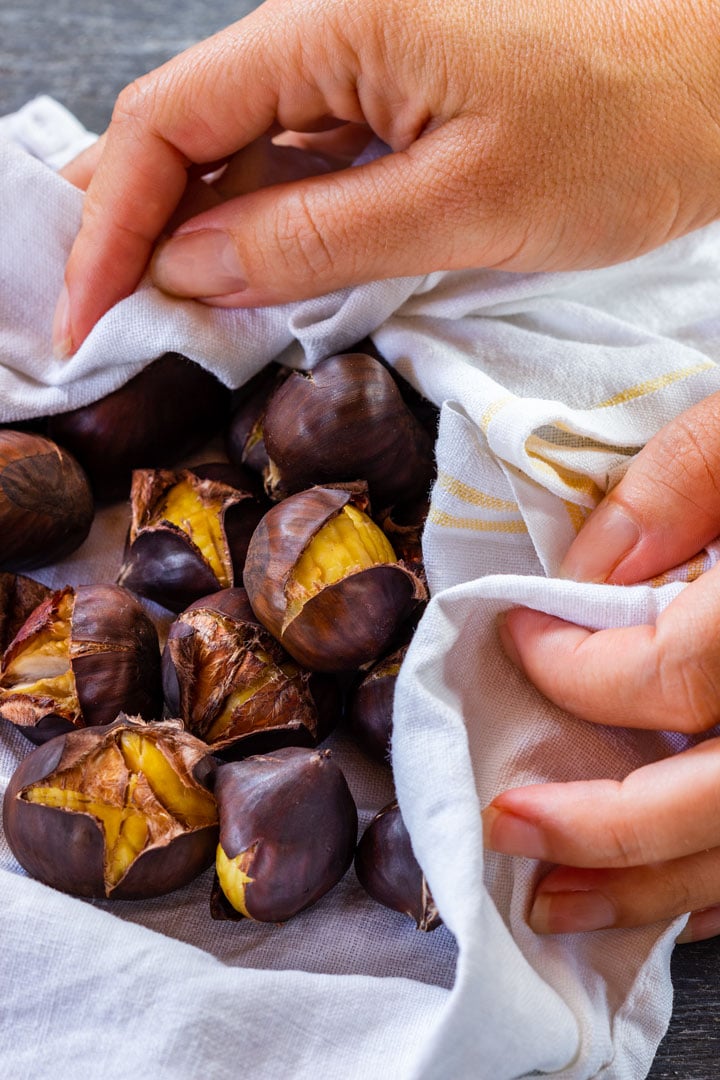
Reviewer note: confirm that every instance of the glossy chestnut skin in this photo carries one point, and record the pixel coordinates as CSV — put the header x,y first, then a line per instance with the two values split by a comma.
x,y
46,506
371,708
292,815
66,849
19,596
347,624
244,438
389,872
217,648
114,656
161,561
346,420
162,414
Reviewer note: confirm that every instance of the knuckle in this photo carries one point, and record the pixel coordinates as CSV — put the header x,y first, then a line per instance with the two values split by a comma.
x,y
301,242
133,102
689,692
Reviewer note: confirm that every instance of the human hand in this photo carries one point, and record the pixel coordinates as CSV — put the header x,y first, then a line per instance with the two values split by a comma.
x,y
647,848
525,136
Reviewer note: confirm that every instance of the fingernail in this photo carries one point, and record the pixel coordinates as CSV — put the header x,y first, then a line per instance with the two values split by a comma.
x,y
701,925
512,835
201,263
604,540
571,912
62,344
507,641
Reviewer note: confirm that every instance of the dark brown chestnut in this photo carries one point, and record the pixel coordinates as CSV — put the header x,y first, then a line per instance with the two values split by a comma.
x,y
403,524
323,578
188,536
371,709
288,827
81,656
162,414
345,420
120,811
389,872
19,595
234,685
244,439
46,506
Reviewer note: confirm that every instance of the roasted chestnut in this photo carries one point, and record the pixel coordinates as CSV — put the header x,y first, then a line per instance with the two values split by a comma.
x,y
164,413
389,872
323,578
345,420
403,524
244,439
81,656
19,595
288,827
46,506
119,811
188,535
234,685
371,709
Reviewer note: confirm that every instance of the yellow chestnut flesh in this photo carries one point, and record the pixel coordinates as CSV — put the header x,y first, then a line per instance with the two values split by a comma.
x,y
134,793
348,543
200,518
233,877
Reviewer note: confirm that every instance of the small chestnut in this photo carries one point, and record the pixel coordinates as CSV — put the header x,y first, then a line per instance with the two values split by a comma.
x,y
46,506
371,708
234,685
80,657
188,535
323,578
389,872
120,811
162,414
288,828
244,439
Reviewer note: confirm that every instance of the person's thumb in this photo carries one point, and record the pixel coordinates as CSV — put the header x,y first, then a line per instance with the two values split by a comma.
x,y
664,510
314,235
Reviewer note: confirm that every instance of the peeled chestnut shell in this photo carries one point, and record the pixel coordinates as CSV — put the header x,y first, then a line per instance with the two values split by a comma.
x,y
288,826
388,870
81,656
166,411
188,535
323,578
46,506
346,420
119,811
371,710
234,685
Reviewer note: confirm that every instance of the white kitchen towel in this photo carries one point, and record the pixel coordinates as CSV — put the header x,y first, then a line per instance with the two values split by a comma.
x,y
548,384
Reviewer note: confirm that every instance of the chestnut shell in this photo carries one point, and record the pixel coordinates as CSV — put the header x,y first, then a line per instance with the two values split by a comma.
x,y
65,849
371,708
345,625
114,656
346,420
290,710
387,869
163,413
46,506
295,808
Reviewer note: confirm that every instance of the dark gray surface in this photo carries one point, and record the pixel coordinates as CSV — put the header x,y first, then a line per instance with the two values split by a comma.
x,y
82,52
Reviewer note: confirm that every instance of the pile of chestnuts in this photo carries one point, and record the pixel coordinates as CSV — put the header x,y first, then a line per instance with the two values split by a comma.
x,y
293,576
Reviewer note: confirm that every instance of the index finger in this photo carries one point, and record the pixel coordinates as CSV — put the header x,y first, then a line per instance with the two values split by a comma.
x,y
201,106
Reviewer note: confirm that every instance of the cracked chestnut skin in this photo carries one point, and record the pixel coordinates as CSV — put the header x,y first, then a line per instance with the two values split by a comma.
x,y
113,655
162,561
217,648
345,625
67,848
291,822
387,869
46,506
